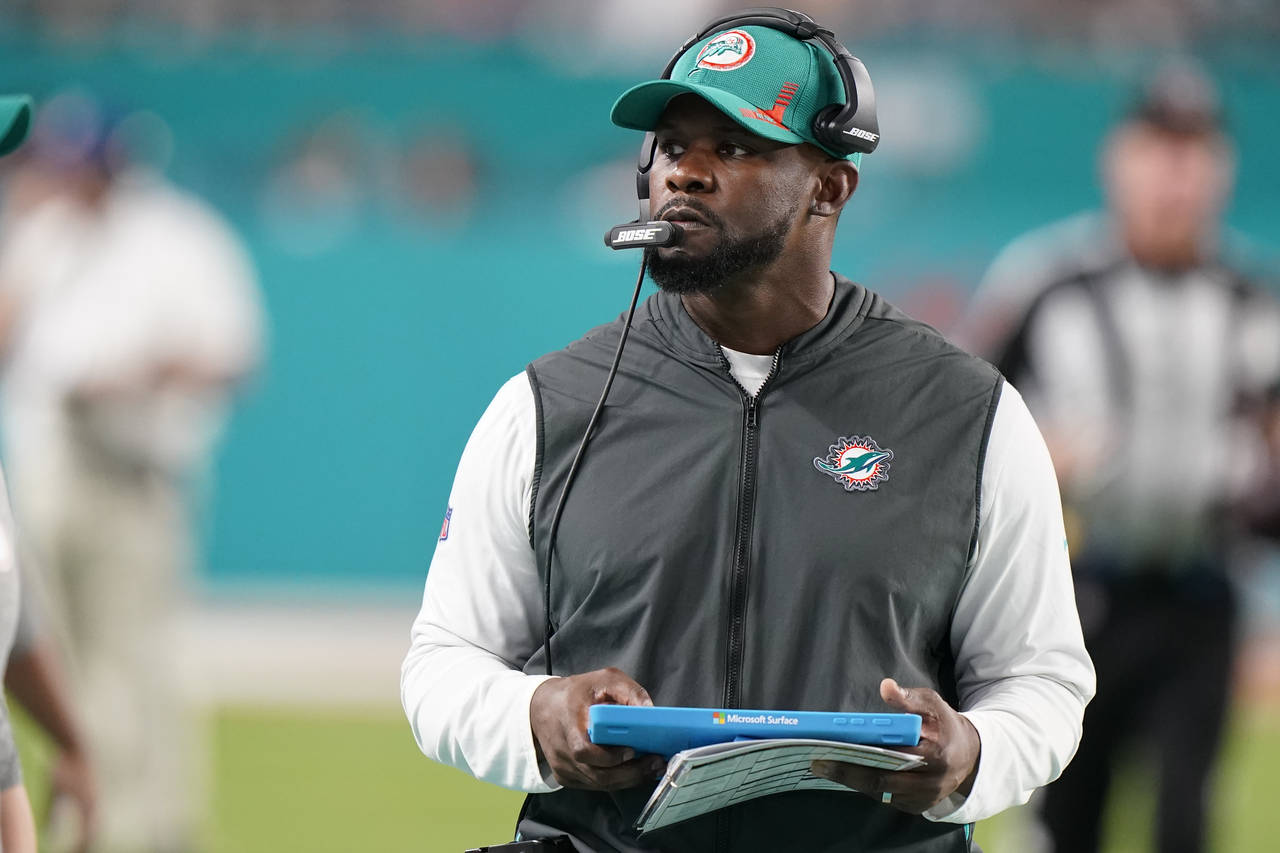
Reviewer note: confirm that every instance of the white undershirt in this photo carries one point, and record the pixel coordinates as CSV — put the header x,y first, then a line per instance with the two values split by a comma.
x,y
1023,675
749,369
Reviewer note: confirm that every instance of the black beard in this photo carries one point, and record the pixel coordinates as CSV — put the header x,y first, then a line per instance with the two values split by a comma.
x,y
731,257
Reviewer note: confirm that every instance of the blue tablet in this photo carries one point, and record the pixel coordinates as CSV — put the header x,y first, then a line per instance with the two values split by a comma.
x,y
666,731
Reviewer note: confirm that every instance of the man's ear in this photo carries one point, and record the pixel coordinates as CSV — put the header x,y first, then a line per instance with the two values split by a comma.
x,y
837,181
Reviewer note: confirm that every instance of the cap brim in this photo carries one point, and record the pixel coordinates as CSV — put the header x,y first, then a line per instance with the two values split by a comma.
x,y
15,121
640,108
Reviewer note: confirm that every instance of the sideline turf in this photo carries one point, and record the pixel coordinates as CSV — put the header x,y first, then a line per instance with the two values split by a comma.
x,y
287,781
339,783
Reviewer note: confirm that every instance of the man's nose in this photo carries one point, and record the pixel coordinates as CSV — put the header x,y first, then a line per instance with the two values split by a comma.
x,y
691,173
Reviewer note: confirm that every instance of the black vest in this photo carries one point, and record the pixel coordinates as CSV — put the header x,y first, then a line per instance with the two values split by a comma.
x,y
707,551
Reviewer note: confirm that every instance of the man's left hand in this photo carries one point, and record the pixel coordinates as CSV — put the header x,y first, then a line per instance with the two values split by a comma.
x,y
949,744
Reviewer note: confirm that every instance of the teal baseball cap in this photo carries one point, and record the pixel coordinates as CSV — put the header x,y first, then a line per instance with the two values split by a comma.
x,y
15,121
765,80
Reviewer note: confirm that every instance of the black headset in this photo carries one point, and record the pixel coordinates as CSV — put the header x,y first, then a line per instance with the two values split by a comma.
x,y
842,129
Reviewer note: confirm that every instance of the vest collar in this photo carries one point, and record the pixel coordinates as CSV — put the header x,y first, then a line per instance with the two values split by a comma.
x,y
665,315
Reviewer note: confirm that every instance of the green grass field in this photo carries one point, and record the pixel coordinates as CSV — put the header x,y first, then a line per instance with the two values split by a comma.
x,y
330,782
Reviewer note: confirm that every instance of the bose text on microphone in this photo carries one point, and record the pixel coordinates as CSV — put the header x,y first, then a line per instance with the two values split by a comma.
x,y
638,234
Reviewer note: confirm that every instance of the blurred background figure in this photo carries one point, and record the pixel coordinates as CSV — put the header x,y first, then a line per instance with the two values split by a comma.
x,y
1149,358
128,313
17,826
33,669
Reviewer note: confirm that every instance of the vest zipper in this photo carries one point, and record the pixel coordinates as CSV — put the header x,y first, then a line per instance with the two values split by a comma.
x,y
738,583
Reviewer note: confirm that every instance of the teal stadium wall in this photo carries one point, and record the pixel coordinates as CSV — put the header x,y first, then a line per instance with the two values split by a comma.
x,y
387,343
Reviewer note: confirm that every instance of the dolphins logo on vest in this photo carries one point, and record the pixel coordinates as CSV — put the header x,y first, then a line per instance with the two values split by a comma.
x,y
856,462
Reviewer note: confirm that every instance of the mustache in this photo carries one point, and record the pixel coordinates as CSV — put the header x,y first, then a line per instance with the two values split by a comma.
x,y
696,206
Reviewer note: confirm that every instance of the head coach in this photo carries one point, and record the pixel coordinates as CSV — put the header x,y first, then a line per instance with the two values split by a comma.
x,y
796,497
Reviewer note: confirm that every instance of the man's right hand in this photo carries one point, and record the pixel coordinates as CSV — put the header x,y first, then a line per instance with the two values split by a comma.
x,y
558,716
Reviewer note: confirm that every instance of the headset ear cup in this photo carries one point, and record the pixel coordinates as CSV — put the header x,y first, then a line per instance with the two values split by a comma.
x,y
644,162
843,138
830,134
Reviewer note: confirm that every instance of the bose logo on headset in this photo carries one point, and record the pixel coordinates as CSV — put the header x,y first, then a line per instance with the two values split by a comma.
x,y
862,134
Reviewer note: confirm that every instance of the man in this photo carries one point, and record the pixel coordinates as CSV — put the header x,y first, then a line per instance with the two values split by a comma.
x,y
131,315
1147,358
716,550
33,673
17,827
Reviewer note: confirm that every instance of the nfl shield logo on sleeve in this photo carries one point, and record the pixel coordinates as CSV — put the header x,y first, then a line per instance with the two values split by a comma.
x,y
444,528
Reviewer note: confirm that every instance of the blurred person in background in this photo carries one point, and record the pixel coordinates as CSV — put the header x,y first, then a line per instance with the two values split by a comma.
x,y
1148,359
128,313
17,827
33,673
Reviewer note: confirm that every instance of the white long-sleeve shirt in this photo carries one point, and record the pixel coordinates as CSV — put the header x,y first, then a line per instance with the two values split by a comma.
x,y
1022,671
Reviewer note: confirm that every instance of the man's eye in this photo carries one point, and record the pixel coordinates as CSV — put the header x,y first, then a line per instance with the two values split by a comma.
x,y
733,149
671,149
